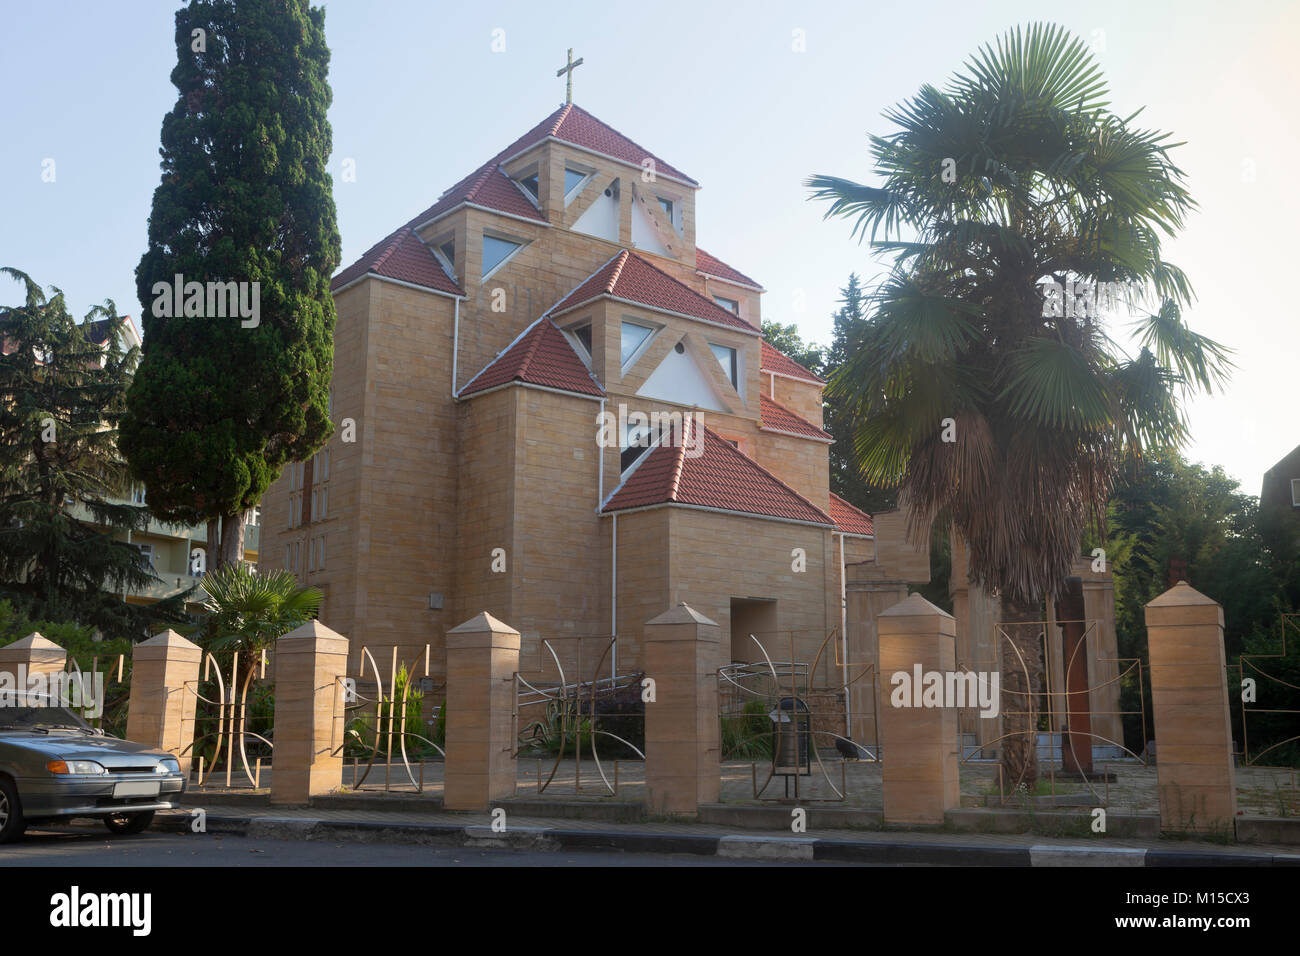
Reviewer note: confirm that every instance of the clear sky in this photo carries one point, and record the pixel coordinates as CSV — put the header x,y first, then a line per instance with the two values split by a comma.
x,y
719,90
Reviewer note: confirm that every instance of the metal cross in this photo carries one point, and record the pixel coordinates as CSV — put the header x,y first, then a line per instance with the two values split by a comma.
x,y
568,80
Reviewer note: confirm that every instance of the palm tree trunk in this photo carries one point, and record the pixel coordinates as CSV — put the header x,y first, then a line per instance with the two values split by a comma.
x,y
232,539
1022,669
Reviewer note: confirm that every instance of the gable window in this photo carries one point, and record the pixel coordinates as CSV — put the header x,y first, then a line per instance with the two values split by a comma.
x,y
574,181
530,184
497,252
637,440
731,305
634,336
728,360
445,253
583,334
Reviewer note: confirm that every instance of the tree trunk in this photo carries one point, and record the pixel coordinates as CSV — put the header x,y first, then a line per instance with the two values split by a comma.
x,y
232,539
1022,669
212,558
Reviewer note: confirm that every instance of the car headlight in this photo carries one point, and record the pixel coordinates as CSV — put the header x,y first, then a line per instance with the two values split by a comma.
x,y
61,767
168,765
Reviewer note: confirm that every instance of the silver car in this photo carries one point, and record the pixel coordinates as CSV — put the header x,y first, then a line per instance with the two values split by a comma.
x,y
55,766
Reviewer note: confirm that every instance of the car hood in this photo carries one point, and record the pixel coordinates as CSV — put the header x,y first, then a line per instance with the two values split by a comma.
x,y
109,751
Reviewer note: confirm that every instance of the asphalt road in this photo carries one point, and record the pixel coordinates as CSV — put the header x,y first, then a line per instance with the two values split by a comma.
x,y
81,847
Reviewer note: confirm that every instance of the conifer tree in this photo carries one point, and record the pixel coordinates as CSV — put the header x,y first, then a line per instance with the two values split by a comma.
x,y
222,402
62,556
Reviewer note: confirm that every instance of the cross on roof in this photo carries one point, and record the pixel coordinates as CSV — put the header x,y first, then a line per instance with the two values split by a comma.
x,y
568,80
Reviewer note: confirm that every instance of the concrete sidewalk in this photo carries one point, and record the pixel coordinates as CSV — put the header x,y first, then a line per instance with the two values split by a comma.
x,y
439,827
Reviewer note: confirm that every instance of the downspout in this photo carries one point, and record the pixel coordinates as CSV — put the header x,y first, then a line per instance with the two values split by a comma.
x,y
613,596
455,345
844,646
600,474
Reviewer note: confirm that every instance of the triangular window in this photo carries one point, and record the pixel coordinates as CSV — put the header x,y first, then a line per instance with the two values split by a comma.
x,y
496,252
530,184
574,180
634,336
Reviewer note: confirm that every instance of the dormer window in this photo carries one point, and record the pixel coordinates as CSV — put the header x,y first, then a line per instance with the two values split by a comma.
x,y
634,336
637,440
731,305
574,180
530,184
497,251
582,334
445,253
672,211
729,361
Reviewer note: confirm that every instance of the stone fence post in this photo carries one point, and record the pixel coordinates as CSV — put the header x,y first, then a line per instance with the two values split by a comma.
x,y
682,729
310,664
482,659
164,698
1189,701
919,781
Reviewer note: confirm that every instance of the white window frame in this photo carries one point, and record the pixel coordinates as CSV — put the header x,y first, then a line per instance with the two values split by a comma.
x,y
526,173
639,351
739,373
588,175
571,332
521,245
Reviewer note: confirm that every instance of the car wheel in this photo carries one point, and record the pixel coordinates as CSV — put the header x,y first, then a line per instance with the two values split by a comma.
x,y
128,823
12,823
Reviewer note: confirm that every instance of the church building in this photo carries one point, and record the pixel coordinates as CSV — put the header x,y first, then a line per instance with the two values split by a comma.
x,y
552,405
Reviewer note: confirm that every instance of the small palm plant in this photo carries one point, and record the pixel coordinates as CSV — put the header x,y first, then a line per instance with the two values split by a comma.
x,y
249,610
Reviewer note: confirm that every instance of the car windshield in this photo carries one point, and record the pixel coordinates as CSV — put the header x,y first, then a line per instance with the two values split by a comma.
x,y
34,714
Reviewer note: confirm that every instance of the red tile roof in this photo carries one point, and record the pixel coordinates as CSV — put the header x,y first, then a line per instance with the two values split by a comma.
x,y
721,477
849,519
400,256
777,417
777,361
489,186
540,356
708,265
628,276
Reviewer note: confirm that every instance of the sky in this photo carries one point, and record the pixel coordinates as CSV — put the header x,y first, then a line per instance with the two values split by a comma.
x,y
749,99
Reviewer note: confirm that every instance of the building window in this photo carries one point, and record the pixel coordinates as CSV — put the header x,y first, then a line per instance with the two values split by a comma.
x,y
583,334
137,494
575,180
731,305
637,440
288,553
146,552
530,184
445,253
728,360
1295,492
320,553
634,336
497,252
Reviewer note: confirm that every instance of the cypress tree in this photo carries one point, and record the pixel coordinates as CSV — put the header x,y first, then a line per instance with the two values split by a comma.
x,y
222,402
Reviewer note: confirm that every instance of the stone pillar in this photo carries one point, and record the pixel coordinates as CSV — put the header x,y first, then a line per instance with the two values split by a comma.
x,y
310,662
866,599
682,732
482,659
1103,649
32,654
164,679
919,779
1189,698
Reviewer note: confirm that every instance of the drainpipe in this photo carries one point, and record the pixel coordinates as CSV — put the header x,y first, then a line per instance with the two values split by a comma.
x,y
613,595
844,646
455,344
600,474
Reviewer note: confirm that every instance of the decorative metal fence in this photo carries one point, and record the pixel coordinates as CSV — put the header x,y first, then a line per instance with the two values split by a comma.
x,y
569,717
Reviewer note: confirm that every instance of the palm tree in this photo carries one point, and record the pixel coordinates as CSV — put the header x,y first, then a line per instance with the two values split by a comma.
x,y
248,611
1014,175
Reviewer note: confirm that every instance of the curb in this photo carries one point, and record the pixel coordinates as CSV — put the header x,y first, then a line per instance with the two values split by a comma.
x,y
741,846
